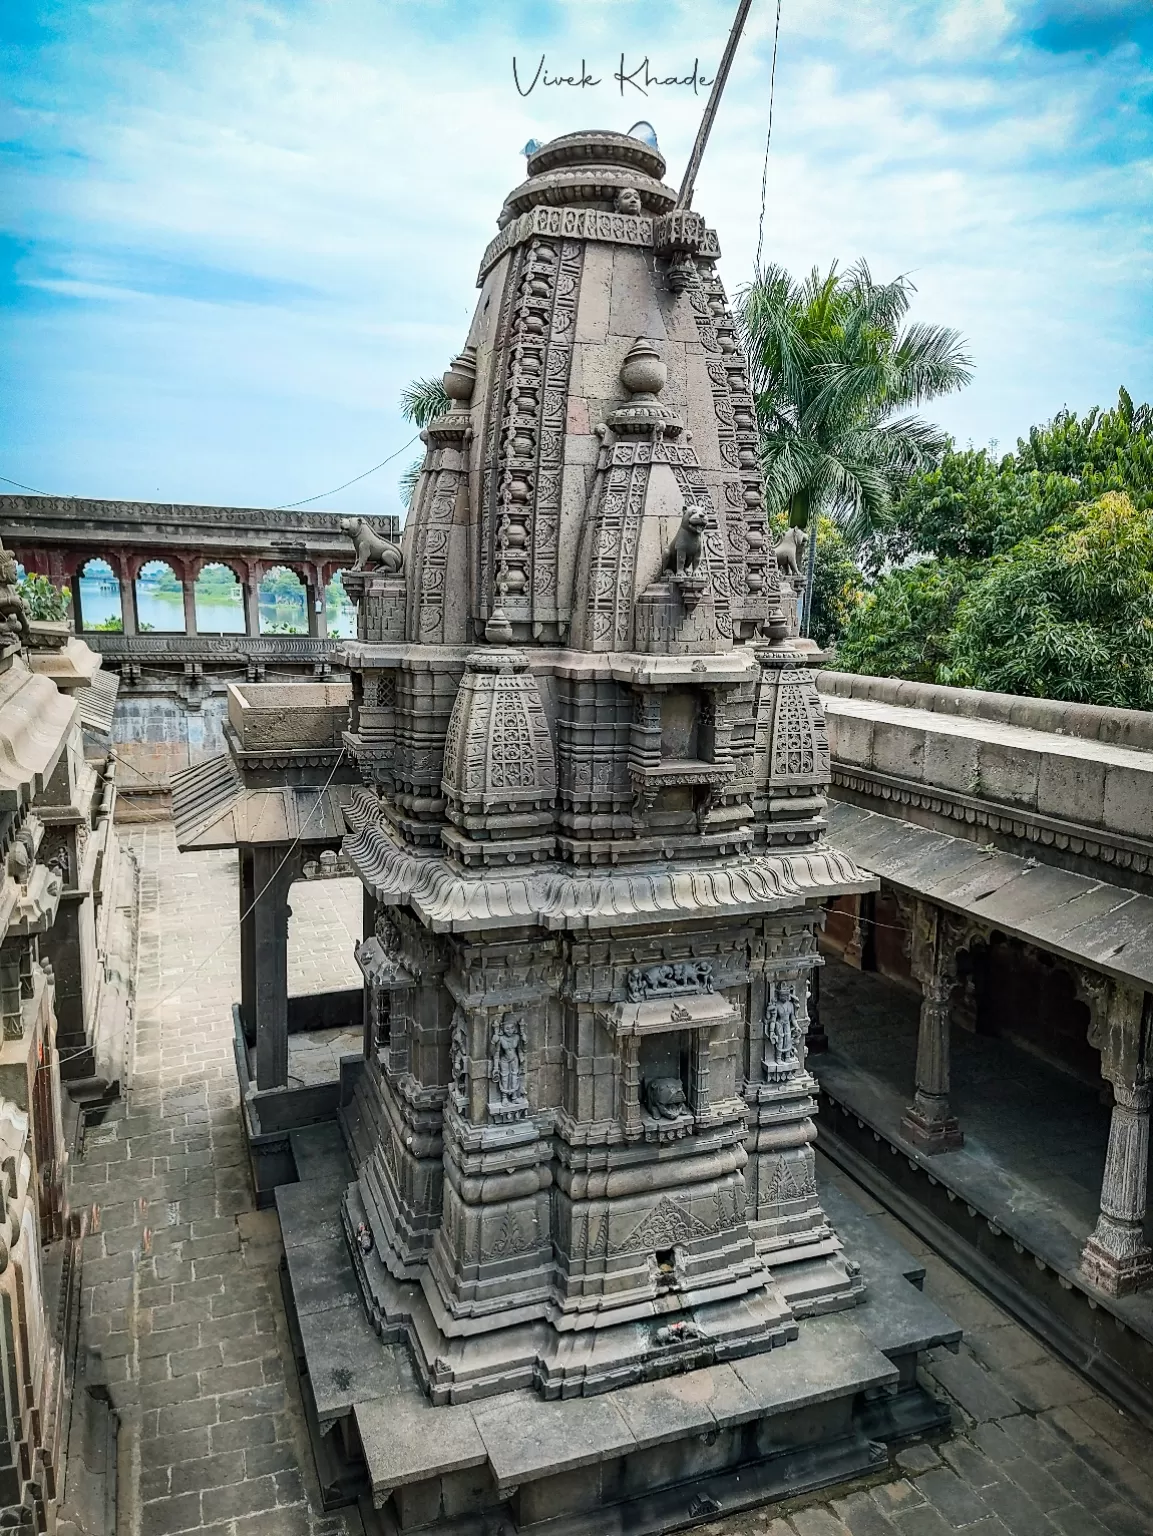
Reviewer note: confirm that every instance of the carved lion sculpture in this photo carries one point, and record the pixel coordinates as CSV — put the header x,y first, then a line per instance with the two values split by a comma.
x,y
687,550
790,551
13,619
665,1098
373,552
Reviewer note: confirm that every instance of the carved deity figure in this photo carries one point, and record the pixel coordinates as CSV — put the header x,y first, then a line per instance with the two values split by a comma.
x,y
13,619
388,934
506,1057
781,1030
627,200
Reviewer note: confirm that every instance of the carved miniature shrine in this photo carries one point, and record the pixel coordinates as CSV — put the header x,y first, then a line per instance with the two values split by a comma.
x,y
592,831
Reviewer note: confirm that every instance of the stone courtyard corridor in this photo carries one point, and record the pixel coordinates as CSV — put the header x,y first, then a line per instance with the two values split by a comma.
x,y
182,1296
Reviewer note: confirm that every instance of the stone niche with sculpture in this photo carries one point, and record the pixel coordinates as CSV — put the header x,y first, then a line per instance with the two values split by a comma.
x,y
592,824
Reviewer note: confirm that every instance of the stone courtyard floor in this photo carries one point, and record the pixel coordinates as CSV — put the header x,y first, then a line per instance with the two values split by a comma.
x,y
181,1293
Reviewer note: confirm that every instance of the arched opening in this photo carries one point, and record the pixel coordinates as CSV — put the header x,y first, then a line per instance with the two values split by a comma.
x,y
159,599
219,601
99,605
283,603
340,611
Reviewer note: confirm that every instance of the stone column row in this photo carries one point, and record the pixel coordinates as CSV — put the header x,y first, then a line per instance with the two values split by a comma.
x,y
1116,1257
314,593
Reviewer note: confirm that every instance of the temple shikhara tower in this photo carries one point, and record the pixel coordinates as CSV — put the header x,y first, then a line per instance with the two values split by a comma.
x,y
591,832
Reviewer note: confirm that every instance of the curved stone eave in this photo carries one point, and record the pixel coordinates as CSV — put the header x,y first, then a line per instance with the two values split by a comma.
x,y
448,899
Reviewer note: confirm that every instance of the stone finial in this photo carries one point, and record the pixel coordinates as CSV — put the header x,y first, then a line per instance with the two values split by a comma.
x,y
642,372
644,375
460,379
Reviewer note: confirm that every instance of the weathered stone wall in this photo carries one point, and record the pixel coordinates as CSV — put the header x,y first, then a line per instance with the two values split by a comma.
x,y
319,713
156,734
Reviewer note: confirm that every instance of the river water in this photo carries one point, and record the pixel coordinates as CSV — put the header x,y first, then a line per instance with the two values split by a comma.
x,y
217,613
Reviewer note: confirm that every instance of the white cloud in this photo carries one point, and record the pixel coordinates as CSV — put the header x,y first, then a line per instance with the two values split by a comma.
x,y
355,156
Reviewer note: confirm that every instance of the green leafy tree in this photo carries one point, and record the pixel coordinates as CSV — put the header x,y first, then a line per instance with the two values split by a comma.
x,y
423,401
838,586
1067,614
113,625
834,368
42,601
974,505
904,626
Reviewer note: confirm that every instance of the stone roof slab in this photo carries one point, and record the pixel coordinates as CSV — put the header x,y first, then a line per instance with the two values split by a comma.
x,y
1105,927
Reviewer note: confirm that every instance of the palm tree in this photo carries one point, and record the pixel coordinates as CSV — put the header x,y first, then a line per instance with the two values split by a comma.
x,y
423,401
834,369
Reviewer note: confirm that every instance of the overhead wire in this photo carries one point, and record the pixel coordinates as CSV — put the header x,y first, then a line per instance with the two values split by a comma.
x,y
284,506
768,141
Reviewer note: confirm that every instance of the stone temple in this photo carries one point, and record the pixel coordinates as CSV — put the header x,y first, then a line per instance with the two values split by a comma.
x,y
581,1194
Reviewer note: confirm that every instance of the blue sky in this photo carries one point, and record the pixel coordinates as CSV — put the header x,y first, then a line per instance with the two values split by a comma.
x,y
231,231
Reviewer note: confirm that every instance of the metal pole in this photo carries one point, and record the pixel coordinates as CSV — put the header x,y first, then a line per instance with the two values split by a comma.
x,y
685,195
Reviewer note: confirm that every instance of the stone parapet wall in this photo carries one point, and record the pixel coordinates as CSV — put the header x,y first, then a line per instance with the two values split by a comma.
x,y
1088,722
947,757
270,717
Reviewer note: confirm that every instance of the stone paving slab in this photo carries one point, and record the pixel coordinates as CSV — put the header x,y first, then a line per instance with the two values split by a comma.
x,y
180,1290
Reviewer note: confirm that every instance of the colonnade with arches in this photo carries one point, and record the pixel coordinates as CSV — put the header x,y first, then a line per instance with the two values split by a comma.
x,y
175,593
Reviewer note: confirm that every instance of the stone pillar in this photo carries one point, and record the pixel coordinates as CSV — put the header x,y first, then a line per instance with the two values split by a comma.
x,y
252,606
854,954
1116,1257
73,584
270,925
127,580
816,1040
310,594
928,1122
317,613
248,890
188,587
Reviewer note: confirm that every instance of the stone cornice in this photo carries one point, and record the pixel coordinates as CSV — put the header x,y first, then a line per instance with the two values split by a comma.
x,y
449,898
241,648
77,519
1009,821
579,224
